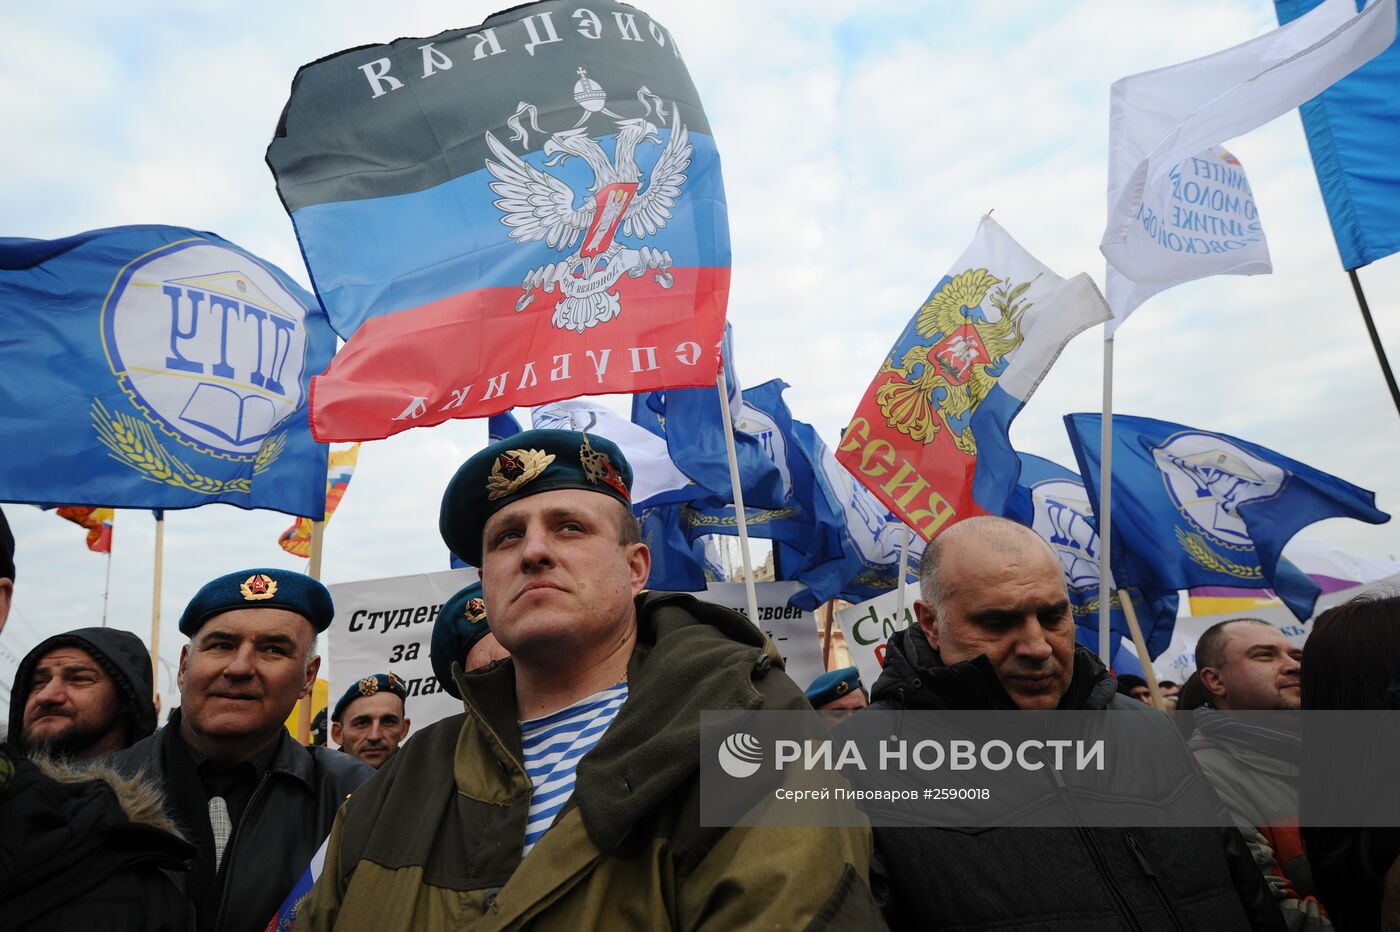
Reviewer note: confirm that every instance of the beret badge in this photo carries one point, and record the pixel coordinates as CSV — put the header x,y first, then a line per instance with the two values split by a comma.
x,y
514,469
476,611
598,467
258,587
842,688
369,686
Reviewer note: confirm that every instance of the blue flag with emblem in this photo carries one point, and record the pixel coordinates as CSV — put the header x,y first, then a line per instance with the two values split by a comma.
x,y
1052,501
1197,508
1353,130
158,367
678,563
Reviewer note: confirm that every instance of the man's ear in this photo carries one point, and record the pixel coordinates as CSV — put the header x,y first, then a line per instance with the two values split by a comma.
x,y
639,562
927,622
180,674
312,669
1213,681
335,734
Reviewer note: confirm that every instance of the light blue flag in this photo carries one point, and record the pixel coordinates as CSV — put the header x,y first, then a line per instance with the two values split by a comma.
x,y
157,367
1353,130
1052,501
1196,508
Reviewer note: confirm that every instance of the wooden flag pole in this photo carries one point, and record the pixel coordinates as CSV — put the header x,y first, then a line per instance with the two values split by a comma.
x,y
722,386
1138,642
313,569
830,610
1106,499
1375,338
155,606
903,572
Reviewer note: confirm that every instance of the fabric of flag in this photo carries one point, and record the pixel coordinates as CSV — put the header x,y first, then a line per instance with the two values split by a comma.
x,y
98,522
1053,502
500,426
1353,130
285,919
509,214
1179,205
678,562
1195,508
296,539
1330,567
157,367
929,437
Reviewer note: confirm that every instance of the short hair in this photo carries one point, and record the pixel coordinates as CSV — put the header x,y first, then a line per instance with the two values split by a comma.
x,y
1002,534
629,529
1210,649
1352,654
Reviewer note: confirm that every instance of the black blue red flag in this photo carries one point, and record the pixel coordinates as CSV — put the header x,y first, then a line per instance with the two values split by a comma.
x,y
509,214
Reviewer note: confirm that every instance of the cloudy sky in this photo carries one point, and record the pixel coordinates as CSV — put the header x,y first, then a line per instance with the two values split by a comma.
x,y
861,143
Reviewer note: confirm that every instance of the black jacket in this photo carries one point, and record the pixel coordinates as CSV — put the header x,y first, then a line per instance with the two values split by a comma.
x,y
289,815
81,850
121,653
1095,879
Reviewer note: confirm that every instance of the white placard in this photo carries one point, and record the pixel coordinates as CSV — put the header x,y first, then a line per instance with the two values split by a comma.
x,y
868,627
793,631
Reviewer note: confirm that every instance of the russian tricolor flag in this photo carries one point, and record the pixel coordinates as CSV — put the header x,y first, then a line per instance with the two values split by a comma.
x,y
510,214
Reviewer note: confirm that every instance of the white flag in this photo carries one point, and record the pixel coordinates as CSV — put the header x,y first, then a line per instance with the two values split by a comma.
x,y
1179,205
653,473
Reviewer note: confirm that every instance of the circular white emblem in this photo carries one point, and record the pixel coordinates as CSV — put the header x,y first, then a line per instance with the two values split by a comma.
x,y
740,755
209,342
1209,478
1062,517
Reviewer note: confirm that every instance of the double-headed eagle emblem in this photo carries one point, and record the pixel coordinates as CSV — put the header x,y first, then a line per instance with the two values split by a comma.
x,y
940,382
540,206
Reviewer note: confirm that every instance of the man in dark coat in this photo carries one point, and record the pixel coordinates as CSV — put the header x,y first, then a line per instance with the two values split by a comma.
x,y
256,804
83,694
995,631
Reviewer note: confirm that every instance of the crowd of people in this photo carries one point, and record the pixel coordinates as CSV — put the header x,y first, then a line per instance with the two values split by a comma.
x,y
566,794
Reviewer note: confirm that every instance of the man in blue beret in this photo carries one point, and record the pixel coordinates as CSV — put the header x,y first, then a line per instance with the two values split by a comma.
x,y
462,635
256,803
566,795
370,722
838,692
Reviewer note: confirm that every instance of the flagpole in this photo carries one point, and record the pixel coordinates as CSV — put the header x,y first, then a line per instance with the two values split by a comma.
x,y
829,609
1105,499
155,604
313,569
722,386
107,586
1375,338
1140,643
903,572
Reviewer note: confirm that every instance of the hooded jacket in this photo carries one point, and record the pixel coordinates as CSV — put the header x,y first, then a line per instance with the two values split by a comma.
x,y
1065,879
434,840
86,849
120,653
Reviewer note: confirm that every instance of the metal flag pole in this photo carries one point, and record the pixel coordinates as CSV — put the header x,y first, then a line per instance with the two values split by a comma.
x,y
1105,498
313,569
903,572
155,605
722,386
1375,338
107,586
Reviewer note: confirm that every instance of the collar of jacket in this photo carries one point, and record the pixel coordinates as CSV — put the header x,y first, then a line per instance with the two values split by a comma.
x,y
690,656
915,677
290,757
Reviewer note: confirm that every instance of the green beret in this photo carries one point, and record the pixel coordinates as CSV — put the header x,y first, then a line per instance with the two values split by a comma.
x,y
522,465
832,685
260,588
460,623
368,686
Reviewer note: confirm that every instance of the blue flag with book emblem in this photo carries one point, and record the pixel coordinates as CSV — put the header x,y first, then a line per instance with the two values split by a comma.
x,y
1196,508
157,367
1052,501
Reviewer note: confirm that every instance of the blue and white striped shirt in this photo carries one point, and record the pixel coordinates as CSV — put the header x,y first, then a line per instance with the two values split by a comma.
x,y
553,746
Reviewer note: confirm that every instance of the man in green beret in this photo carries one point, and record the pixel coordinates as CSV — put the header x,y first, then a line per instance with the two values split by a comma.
x,y
566,796
256,803
369,722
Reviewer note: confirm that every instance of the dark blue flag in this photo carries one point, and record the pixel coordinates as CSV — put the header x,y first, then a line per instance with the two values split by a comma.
x,y
1052,501
157,367
500,426
677,562
1195,508
1353,130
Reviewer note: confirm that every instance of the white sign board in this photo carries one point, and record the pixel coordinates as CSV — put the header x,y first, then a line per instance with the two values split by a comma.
x,y
386,626
868,627
792,630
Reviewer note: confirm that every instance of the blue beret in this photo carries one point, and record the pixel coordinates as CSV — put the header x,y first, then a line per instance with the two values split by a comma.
x,y
832,685
460,623
260,588
368,686
522,465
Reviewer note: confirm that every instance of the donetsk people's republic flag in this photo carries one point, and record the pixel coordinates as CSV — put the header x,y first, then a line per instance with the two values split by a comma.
x,y
929,437
509,214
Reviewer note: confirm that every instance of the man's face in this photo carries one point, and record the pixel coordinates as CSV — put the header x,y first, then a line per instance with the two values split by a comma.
x,y
556,577
1262,670
244,671
486,651
1141,694
1010,604
372,727
74,708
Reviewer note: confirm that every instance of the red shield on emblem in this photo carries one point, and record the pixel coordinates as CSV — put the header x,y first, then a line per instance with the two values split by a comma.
x,y
958,352
610,203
